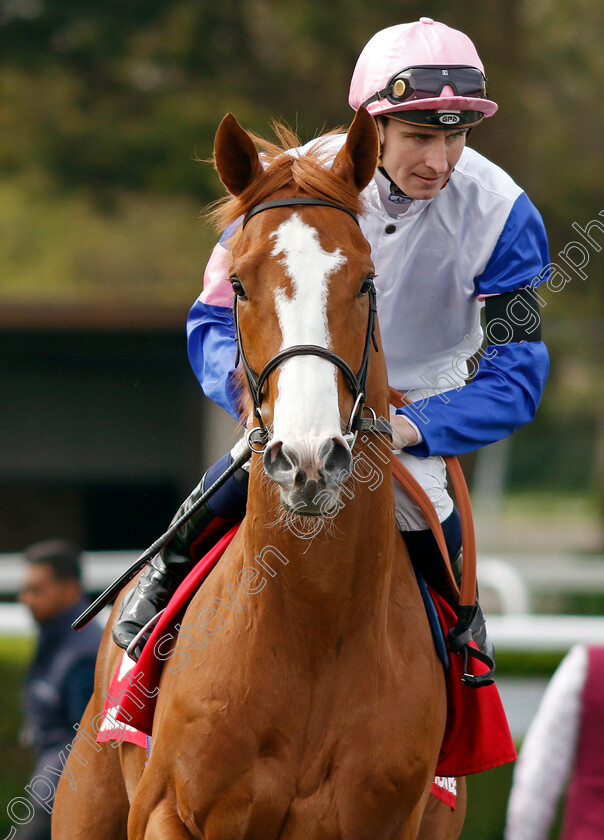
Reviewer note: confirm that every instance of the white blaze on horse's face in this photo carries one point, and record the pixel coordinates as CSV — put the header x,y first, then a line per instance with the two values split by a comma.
x,y
307,456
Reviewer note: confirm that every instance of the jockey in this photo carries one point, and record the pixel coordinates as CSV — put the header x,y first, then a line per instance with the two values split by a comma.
x,y
450,234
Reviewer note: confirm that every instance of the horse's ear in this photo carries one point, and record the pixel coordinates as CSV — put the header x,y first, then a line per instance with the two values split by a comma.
x,y
235,156
357,159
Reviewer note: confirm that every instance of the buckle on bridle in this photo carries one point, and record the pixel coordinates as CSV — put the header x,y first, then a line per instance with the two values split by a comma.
x,y
257,436
357,407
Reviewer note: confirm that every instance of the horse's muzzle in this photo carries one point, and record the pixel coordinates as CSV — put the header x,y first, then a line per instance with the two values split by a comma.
x,y
309,476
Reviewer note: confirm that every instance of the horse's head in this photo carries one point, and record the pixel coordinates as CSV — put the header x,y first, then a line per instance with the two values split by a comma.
x,y
302,278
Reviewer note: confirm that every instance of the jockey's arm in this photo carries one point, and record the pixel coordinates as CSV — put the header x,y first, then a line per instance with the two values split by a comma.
x,y
211,334
504,394
502,398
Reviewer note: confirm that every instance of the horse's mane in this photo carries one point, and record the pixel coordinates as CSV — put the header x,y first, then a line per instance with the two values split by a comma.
x,y
307,173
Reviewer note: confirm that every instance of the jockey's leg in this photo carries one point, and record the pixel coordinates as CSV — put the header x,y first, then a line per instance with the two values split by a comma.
x,y
421,543
424,551
169,568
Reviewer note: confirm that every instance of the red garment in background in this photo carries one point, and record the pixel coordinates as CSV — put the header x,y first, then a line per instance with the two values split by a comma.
x,y
584,808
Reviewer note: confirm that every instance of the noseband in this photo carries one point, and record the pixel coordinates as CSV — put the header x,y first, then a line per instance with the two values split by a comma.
x,y
356,382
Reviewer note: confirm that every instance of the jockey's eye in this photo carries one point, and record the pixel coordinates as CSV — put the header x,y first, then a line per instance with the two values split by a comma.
x,y
367,285
237,287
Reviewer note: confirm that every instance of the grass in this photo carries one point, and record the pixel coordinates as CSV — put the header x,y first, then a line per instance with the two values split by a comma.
x,y
541,523
487,802
15,762
528,664
550,505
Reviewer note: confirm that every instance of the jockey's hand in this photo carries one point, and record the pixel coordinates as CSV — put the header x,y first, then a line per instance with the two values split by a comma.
x,y
405,433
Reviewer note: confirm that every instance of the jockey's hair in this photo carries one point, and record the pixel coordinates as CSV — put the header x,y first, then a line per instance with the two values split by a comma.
x,y
308,173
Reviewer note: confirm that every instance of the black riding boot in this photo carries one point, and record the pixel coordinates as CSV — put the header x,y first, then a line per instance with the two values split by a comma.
x,y
169,568
425,554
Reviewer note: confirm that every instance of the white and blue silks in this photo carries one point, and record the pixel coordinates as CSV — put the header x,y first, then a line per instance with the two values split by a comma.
x,y
435,261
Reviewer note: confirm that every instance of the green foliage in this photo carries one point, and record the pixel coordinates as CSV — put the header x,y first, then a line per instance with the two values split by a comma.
x,y
15,763
67,248
532,466
107,98
528,663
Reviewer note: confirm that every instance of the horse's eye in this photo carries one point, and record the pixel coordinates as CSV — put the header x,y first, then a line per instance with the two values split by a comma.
x,y
237,287
367,285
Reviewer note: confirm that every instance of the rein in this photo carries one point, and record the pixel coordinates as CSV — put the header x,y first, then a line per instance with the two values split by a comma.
x,y
467,594
460,636
356,382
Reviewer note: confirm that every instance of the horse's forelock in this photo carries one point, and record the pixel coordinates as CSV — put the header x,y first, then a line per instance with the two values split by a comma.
x,y
309,173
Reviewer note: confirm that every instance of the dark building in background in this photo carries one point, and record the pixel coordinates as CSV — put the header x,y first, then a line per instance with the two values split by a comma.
x,y
103,427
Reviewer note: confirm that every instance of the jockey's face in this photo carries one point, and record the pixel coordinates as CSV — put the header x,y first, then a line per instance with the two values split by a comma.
x,y
419,159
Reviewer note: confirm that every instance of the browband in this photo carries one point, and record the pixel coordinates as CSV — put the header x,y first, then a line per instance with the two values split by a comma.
x,y
287,202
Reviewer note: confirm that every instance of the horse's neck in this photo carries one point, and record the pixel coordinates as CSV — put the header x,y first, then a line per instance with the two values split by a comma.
x,y
336,576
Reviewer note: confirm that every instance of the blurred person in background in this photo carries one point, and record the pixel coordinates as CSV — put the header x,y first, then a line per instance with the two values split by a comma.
x,y
563,748
60,678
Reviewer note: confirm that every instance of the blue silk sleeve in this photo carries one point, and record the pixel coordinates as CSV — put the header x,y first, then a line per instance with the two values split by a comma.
x,y
212,353
505,393
502,397
520,254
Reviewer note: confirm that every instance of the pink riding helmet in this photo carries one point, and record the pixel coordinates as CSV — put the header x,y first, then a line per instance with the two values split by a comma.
x,y
423,43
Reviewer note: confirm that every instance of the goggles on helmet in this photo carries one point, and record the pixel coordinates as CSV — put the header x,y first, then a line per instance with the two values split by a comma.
x,y
427,82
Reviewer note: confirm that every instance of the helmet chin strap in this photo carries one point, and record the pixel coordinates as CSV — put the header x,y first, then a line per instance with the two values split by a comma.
x,y
397,196
396,193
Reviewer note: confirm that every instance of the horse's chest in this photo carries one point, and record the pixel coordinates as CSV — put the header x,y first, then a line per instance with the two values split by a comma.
x,y
353,801
342,749
343,765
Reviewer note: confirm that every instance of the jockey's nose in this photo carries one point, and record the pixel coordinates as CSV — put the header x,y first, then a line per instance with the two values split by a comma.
x,y
300,466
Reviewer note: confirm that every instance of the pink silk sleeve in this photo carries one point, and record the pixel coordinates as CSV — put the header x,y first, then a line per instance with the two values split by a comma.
x,y
217,290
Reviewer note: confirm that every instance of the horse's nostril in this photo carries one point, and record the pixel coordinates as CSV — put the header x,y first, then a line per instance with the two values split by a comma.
x,y
324,448
330,465
338,462
279,460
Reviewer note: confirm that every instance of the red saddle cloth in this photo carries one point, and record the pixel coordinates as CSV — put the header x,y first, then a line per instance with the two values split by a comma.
x,y
477,736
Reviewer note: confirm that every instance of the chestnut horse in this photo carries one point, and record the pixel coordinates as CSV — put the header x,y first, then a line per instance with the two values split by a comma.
x,y
318,707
